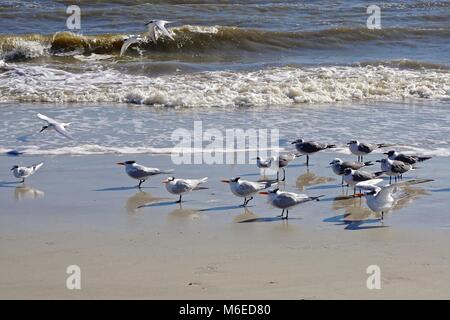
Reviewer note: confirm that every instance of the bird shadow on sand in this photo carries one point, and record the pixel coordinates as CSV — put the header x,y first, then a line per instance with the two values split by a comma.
x,y
339,220
267,219
163,203
222,208
123,188
9,184
441,190
324,187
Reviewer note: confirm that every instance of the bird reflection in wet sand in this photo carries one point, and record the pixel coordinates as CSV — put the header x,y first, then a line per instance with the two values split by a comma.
x,y
140,199
309,178
24,192
185,214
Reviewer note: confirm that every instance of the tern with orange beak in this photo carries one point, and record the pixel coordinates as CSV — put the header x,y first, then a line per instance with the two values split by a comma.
x,y
285,200
246,189
182,186
139,172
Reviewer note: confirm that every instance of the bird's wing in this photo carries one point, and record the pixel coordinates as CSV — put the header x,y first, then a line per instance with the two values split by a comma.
x,y
128,43
147,170
400,167
365,147
48,119
183,186
362,176
161,26
286,199
247,187
36,167
61,130
152,32
369,184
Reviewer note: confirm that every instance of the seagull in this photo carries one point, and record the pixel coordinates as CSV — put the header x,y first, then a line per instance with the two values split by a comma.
x,y
285,200
154,28
181,186
264,164
338,166
283,161
355,177
139,172
393,155
246,189
361,149
310,147
25,172
394,168
59,127
382,199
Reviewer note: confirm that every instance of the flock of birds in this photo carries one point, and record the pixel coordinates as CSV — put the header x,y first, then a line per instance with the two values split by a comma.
x,y
380,199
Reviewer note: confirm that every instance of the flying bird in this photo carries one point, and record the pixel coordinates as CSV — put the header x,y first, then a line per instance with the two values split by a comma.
x,y
25,172
182,186
310,147
285,200
246,189
140,172
59,127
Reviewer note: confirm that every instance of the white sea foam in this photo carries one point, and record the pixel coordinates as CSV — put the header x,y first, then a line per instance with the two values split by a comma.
x,y
275,86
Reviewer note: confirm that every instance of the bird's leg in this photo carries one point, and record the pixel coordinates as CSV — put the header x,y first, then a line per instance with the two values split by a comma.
x,y
382,215
342,181
354,190
140,182
245,202
390,179
23,180
287,214
179,200
248,200
284,174
307,160
282,213
278,175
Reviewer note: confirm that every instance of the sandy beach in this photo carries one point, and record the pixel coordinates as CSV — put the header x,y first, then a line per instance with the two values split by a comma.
x,y
84,210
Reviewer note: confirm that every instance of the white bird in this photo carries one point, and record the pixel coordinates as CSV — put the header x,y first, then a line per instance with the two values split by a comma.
x,y
246,189
361,148
128,42
25,172
394,168
182,186
338,166
139,172
264,163
283,161
156,26
59,127
285,200
383,199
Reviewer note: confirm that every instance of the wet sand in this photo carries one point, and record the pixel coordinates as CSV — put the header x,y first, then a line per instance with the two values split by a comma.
x,y
84,210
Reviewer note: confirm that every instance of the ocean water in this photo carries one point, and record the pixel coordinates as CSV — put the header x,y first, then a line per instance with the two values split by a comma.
x,y
309,68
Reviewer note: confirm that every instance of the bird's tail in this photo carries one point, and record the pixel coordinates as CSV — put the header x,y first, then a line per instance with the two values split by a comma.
x,y
368,163
203,180
167,171
330,146
36,167
316,198
420,159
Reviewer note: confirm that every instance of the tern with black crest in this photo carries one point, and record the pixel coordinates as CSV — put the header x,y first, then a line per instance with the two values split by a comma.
x,y
140,172
59,127
22,172
182,186
246,189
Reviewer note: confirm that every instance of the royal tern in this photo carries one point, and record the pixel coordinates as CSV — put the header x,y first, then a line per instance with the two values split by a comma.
x,y
155,27
285,200
182,186
139,172
283,161
59,127
246,189
310,147
393,155
25,172
394,168
361,149
338,166
356,177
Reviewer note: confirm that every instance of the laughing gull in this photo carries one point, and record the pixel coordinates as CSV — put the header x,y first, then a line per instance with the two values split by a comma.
x,y
394,168
285,200
310,147
264,163
283,161
338,166
139,172
355,177
182,186
394,155
25,172
361,149
59,127
246,189
155,27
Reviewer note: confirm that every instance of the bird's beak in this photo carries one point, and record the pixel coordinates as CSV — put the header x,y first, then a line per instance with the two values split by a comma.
x,y
348,143
263,192
386,153
359,195
43,128
120,163
11,169
225,181
331,163
293,142
165,181
377,160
